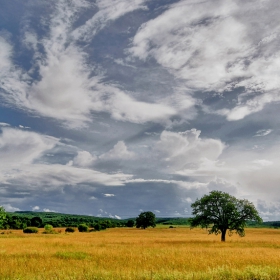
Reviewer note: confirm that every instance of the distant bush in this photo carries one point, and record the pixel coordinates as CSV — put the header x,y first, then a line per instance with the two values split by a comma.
x,y
49,229
83,228
97,227
30,230
70,229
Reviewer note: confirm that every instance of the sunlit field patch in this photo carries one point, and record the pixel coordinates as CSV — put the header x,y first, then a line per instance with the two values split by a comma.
x,y
129,253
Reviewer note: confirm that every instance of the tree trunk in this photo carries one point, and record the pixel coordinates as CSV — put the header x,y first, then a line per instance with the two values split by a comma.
x,y
223,236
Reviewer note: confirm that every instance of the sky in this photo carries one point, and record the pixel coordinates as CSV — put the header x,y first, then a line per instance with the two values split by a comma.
x,y
114,107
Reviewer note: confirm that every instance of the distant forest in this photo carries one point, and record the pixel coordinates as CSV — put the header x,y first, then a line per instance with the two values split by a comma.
x,y
23,219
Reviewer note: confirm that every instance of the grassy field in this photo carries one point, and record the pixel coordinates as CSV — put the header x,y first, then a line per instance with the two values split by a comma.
x,y
124,253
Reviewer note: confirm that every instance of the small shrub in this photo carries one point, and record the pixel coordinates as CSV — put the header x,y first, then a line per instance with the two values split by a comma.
x,y
83,228
97,227
70,229
30,230
48,227
49,230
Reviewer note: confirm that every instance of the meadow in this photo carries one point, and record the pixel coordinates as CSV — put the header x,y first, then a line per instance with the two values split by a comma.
x,y
130,253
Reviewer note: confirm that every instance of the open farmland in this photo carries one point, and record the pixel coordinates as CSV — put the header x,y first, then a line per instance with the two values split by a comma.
x,y
124,253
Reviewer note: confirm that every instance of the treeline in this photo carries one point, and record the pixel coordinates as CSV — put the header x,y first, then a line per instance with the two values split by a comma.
x,y
23,219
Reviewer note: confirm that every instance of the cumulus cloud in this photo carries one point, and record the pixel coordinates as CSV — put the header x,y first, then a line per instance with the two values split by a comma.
x,y
214,47
119,151
21,151
186,150
35,208
9,208
83,159
18,147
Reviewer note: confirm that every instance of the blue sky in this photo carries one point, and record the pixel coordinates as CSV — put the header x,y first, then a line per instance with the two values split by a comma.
x,y
113,107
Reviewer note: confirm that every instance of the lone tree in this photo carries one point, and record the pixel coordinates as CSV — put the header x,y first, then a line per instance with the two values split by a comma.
x,y
220,212
146,219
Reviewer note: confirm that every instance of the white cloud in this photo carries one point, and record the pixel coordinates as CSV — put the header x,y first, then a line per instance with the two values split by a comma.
x,y
188,200
48,210
186,150
35,208
263,132
108,12
84,159
20,151
263,162
119,151
269,210
18,147
109,195
67,90
9,208
5,55
218,46
57,175
24,127
125,108
4,124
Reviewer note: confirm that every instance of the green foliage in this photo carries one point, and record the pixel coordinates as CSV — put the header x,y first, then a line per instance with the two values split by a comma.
x,y
70,229
220,212
36,222
49,229
3,216
30,230
146,219
173,221
83,228
63,220
130,223
71,255
97,227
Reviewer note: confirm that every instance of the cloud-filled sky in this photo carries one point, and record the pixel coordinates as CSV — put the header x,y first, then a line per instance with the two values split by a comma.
x,y
113,107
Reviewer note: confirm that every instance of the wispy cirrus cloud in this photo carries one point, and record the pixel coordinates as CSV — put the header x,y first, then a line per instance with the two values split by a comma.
x,y
214,47
263,132
67,89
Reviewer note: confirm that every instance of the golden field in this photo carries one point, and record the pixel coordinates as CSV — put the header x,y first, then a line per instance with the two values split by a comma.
x,y
129,253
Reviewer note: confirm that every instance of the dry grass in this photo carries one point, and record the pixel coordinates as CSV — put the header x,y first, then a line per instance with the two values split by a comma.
x,y
159,253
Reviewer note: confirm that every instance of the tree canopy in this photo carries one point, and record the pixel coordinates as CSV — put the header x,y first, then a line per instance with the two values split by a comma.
x,y
219,212
146,219
3,216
